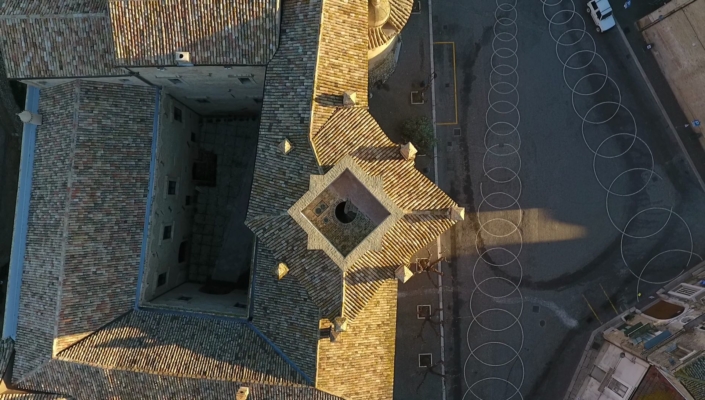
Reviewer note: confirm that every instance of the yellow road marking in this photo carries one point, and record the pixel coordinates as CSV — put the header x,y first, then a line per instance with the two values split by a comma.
x,y
608,299
455,87
591,309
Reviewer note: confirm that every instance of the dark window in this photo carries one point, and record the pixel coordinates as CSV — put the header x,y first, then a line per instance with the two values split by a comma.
x,y
167,232
324,333
205,169
177,114
172,188
188,200
161,279
594,5
193,136
598,14
175,81
183,251
202,101
246,81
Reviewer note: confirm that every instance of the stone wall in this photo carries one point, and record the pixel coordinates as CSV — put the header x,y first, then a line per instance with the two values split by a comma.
x,y
174,161
86,215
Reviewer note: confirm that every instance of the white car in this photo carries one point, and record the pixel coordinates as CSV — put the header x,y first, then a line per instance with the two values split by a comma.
x,y
601,13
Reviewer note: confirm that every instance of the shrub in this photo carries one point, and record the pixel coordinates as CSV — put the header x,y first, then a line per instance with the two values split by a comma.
x,y
418,131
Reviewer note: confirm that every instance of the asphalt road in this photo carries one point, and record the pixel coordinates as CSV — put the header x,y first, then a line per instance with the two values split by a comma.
x,y
553,242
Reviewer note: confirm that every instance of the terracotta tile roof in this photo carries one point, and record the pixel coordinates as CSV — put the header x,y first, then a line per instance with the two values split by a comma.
x,y
86,214
183,346
342,58
40,8
692,376
399,12
655,386
284,312
313,269
279,180
44,39
354,131
85,382
367,348
241,32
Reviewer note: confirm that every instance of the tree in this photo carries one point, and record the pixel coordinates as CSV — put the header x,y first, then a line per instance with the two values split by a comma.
x,y
418,131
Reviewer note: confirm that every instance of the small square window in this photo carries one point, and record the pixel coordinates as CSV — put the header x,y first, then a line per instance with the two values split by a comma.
x,y
183,250
188,200
177,114
161,279
246,81
171,188
193,136
175,81
167,232
425,360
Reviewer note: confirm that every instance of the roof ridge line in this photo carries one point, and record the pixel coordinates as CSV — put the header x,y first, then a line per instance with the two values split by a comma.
x,y
124,315
280,353
72,176
147,371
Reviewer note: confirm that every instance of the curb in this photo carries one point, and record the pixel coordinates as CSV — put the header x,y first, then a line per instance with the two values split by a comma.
x,y
671,127
435,180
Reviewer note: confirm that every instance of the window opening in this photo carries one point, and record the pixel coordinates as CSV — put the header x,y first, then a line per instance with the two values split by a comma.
x,y
167,232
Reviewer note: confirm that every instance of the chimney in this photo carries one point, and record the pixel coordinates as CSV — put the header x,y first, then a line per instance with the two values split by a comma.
x,y
285,146
243,393
182,59
403,273
408,151
456,213
29,117
340,324
280,271
349,99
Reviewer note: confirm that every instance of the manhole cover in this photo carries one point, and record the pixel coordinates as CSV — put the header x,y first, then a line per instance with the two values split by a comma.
x,y
425,360
423,311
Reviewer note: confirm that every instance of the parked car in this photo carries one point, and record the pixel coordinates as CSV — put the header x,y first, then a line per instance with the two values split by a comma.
x,y
601,13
